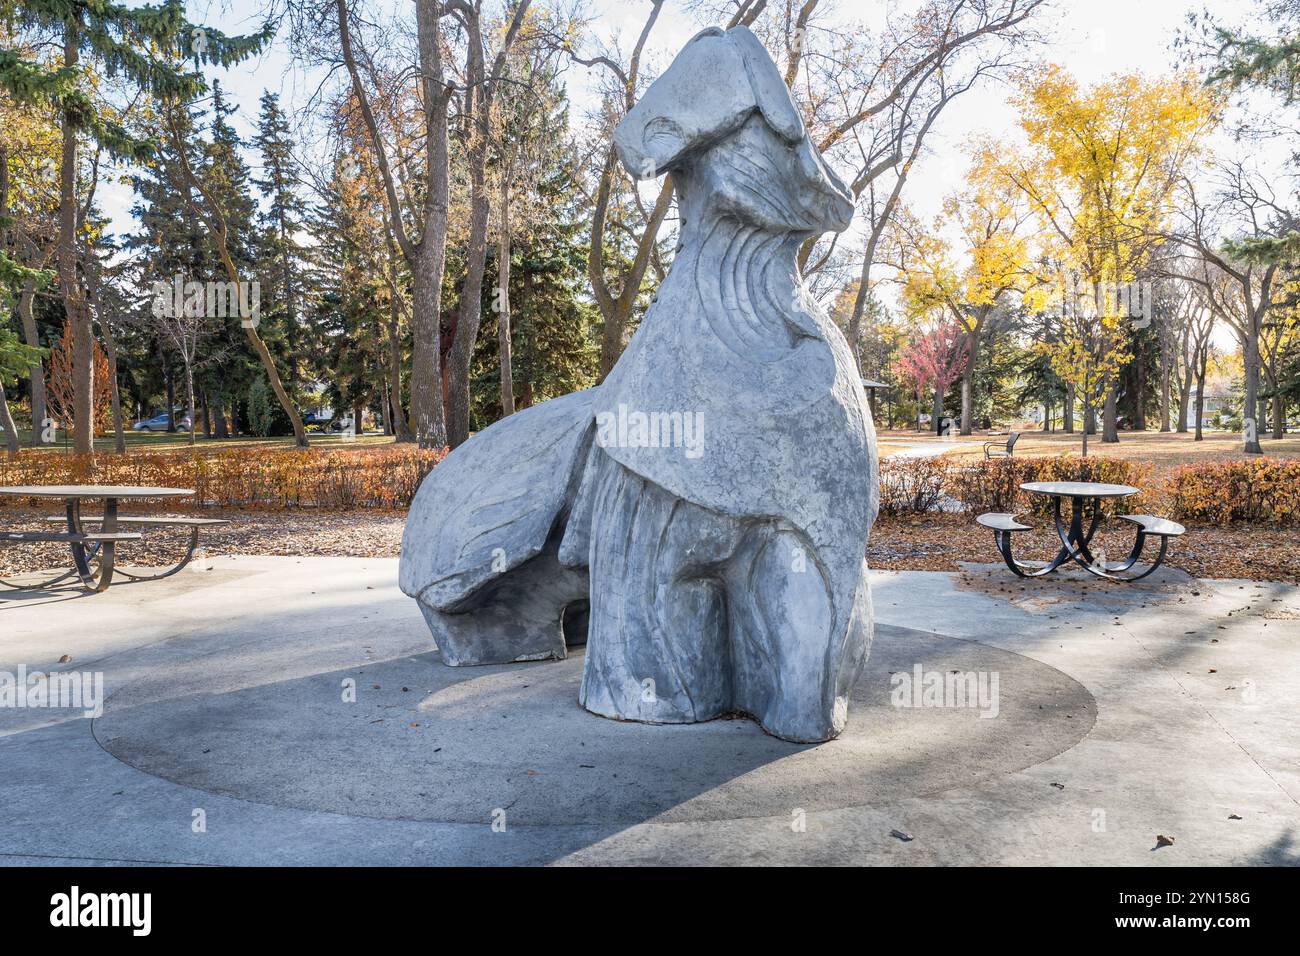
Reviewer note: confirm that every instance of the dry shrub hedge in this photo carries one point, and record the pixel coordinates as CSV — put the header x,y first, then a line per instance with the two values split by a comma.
x,y
1265,490
995,485
257,477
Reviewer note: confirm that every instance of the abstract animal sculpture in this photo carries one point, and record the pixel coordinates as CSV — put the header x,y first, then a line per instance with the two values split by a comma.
x,y
700,519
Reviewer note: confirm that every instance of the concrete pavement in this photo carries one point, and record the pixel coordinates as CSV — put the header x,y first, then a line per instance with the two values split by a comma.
x,y
291,710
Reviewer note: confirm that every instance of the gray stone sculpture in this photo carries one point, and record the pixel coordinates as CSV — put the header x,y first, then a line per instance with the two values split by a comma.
x,y
700,519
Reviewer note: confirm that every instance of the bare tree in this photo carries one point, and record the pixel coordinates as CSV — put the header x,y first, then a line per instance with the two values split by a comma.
x,y
615,286
209,210
523,126
481,84
424,249
1243,208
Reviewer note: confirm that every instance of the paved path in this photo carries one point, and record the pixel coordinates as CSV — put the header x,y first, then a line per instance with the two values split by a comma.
x,y
228,735
929,449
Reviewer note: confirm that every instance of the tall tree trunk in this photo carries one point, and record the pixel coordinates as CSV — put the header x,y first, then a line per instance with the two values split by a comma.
x,y
1110,416
74,302
936,412
426,329
1279,414
1067,411
7,420
967,399
207,414
385,411
189,396
401,429
503,301
1166,391
36,371
1250,407
119,426
469,311
1139,396
968,381
1184,402
220,427
1200,395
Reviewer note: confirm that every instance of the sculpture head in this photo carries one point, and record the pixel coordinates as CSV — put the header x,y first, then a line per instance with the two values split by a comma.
x,y
722,118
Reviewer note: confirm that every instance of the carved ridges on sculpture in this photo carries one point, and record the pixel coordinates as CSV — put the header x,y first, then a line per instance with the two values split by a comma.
x,y
732,580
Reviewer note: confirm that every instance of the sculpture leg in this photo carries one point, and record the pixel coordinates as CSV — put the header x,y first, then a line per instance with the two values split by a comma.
x,y
793,669
657,649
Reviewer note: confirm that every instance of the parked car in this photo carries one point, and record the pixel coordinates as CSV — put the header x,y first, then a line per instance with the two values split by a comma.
x,y
159,423
314,422
341,424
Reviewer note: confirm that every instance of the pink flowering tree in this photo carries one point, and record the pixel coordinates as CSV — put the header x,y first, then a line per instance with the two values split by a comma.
x,y
933,358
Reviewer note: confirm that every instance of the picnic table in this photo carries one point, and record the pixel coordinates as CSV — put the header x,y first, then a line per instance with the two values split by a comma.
x,y
98,548
1086,499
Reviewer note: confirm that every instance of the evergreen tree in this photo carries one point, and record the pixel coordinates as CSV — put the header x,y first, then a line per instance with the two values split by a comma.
x,y
114,40
281,220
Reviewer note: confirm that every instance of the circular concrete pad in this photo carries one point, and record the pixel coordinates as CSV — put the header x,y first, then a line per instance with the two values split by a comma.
x,y
432,742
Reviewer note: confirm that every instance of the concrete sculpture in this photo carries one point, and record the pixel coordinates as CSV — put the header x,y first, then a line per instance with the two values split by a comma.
x,y
700,519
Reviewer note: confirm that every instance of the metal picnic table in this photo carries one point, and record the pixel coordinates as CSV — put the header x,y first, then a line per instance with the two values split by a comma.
x,y
99,547
1075,538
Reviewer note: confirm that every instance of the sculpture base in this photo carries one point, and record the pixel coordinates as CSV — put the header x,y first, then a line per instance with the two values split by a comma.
x,y
454,744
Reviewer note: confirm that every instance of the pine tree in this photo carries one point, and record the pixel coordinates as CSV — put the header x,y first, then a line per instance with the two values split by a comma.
x,y
282,219
114,40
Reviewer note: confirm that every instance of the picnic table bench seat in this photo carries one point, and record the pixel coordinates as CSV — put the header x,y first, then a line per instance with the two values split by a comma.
x,y
1154,526
1000,521
148,520
67,537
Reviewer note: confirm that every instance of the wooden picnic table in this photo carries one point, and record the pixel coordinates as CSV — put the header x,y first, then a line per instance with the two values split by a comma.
x,y
86,547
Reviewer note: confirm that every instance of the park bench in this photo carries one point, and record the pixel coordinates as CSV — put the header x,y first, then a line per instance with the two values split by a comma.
x,y
1001,449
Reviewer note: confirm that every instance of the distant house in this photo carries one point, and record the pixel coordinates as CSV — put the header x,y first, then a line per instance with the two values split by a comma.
x,y
1216,401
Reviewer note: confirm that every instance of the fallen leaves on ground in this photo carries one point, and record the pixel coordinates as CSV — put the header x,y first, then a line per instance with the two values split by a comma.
x,y
898,543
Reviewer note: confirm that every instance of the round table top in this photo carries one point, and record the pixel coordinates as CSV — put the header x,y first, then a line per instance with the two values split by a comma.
x,y
93,491
1079,489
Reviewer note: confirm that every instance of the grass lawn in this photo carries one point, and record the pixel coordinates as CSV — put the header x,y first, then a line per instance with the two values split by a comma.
x,y
1164,450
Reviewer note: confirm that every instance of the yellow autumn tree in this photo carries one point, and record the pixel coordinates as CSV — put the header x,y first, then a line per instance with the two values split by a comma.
x,y
1099,173
971,275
